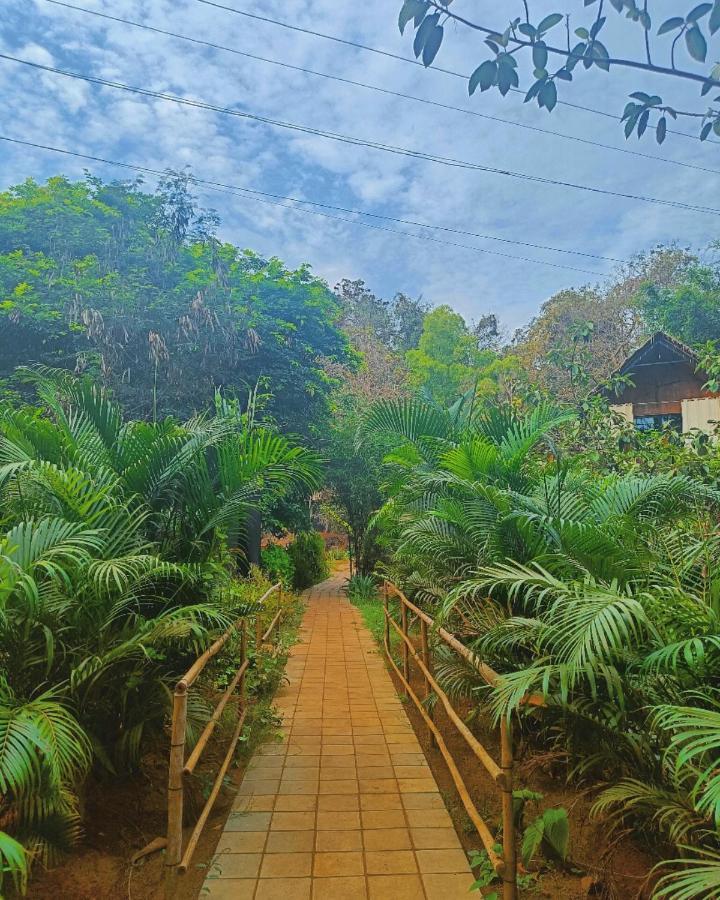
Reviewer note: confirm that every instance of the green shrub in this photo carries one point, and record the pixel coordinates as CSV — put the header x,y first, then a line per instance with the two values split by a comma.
x,y
278,565
362,588
308,555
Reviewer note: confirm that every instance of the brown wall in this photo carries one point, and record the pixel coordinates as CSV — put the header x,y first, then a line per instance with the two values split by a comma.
x,y
663,385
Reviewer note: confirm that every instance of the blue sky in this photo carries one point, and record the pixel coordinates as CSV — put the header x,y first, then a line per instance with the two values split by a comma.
x,y
95,120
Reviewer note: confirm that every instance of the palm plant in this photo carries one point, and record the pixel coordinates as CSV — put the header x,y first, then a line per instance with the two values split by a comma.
x,y
113,551
601,593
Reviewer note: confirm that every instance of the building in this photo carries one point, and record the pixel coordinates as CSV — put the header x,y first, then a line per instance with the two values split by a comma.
x,y
666,388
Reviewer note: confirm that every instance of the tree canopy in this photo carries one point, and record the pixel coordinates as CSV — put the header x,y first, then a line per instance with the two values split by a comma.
x,y
135,288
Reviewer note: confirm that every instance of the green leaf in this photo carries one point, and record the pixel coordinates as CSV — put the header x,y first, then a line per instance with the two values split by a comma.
x,y
484,76
507,77
527,29
696,43
714,22
556,832
423,32
601,56
597,25
532,838
661,129
549,22
671,24
702,9
705,131
548,96
432,45
582,33
410,10
540,55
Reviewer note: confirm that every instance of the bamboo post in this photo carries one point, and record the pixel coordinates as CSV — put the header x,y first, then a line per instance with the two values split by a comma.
x,y
258,632
405,654
387,617
428,664
509,849
243,657
173,853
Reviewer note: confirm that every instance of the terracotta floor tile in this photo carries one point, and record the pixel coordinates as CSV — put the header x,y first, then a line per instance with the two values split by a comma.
x,y
423,801
237,865
338,802
395,887
347,888
332,821
437,861
344,806
286,865
390,862
283,889
387,839
229,888
329,841
380,801
248,821
241,842
333,864
295,803
290,842
447,887
292,821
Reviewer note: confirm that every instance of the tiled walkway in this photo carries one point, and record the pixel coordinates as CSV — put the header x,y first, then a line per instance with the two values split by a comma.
x,y
346,807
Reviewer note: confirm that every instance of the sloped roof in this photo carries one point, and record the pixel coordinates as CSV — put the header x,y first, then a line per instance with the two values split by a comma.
x,y
659,349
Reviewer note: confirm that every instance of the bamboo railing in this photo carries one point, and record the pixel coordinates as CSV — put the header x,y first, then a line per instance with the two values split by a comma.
x,y
506,865
180,768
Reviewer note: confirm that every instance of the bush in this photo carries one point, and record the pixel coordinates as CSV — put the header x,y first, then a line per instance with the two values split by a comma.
x,y
308,555
362,588
278,565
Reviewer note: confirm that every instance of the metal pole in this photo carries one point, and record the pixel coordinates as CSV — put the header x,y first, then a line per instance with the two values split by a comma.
x,y
173,853
509,848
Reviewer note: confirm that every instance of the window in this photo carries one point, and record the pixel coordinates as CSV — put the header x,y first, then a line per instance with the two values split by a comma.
x,y
656,423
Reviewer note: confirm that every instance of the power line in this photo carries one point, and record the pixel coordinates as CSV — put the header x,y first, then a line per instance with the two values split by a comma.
x,y
358,142
268,198
407,59
371,87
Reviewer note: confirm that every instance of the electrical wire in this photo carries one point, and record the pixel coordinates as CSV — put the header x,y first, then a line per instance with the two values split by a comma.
x,y
268,198
381,90
354,141
407,59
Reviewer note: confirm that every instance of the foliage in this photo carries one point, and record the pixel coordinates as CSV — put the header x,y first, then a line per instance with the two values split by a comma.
x,y
554,56
136,289
362,588
114,575
591,586
278,564
690,310
307,552
448,360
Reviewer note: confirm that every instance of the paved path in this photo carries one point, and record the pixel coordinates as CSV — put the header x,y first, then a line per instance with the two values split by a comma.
x,y
346,807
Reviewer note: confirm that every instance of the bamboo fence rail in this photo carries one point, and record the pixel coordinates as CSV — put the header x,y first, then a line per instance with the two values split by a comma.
x,y
505,865
177,861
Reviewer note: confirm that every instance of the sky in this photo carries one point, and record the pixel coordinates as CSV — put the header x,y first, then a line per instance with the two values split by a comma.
x,y
97,120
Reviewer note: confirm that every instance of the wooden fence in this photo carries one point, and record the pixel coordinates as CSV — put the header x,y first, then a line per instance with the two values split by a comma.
x,y
502,774
180,767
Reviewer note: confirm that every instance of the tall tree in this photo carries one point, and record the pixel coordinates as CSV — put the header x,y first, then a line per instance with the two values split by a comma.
x,y
135,288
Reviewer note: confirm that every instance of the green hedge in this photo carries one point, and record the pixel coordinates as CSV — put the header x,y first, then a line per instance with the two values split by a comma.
x,y
308,556
278,565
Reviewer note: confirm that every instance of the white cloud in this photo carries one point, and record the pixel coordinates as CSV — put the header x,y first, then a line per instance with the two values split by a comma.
x,y
102,122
